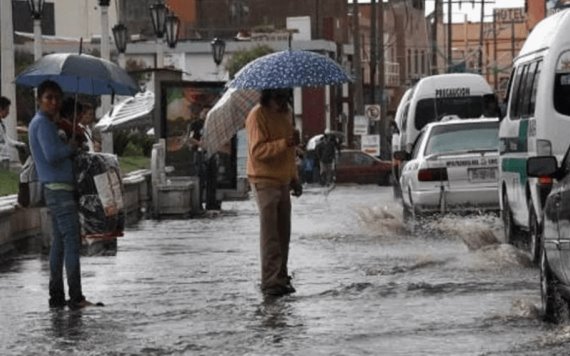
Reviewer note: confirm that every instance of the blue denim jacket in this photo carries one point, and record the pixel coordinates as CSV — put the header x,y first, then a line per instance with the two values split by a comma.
x,y
51,155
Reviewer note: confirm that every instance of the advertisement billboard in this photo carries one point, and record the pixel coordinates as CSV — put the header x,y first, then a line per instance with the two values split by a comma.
x,y
185,105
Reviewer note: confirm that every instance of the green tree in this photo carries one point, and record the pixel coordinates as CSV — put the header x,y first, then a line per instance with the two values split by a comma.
x,y
240,58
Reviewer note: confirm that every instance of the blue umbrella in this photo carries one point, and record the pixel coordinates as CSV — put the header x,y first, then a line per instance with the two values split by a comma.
x,y
288,69
79,74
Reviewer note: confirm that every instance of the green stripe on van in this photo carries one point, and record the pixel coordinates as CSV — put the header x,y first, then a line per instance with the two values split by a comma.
x,y
523,130
515,165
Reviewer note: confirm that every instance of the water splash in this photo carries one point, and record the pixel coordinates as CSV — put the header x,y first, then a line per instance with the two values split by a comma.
x,y
382,220
505,255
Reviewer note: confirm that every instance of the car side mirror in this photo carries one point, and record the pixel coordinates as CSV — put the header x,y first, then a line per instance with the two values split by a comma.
x,y
402,156
542,166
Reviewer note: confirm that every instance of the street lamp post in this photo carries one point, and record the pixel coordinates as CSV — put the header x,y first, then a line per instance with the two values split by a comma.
x,y
105,51
218,49
120,35
36,10
106,138
158,14
172,29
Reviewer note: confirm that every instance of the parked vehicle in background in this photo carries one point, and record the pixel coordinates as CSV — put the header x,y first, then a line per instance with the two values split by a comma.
x,y
452,168
398,135
555,232
537,123
464,95
355,166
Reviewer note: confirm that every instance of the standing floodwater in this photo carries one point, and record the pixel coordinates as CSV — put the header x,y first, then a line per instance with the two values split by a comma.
x,y
365,286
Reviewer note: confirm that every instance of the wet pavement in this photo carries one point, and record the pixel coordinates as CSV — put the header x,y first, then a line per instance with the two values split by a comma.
x,y
365,286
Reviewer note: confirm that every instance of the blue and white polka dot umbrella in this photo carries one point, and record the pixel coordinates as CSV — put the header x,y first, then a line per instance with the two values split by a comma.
x,y
288,69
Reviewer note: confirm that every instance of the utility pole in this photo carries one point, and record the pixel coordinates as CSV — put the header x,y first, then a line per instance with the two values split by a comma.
x,y
358,96
449,36
373,48
434,38
495,67
481,37
382,82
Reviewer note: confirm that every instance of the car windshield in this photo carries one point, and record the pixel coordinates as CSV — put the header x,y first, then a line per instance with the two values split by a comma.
x,y
463,137
429,110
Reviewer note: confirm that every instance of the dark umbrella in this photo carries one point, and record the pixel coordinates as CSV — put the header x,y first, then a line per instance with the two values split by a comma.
x,y
288,69
79,74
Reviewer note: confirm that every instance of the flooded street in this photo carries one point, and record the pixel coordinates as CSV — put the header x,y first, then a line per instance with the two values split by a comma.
x,y
365,286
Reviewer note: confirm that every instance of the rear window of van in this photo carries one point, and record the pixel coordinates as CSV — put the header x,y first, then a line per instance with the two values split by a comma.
x,y
430,110
562,84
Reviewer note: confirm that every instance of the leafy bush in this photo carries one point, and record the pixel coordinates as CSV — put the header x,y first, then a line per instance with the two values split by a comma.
x,y
144,142
120,142
240,58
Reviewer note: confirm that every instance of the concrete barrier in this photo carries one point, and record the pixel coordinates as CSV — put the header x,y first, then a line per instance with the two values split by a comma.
x,y
19,225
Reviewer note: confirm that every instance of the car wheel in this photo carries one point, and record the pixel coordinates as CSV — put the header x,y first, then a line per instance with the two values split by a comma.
x,y
555,308
410,213
508,224
397,193
406,213
534,234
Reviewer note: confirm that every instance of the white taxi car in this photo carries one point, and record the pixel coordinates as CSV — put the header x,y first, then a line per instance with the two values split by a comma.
x,y
452,168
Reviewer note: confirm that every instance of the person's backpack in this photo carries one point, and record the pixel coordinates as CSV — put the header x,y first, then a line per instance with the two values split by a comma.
x,y
30,192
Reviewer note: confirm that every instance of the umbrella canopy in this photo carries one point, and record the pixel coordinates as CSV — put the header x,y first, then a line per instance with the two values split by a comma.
x,y
314,141
288,69
227,117
79,73
133,111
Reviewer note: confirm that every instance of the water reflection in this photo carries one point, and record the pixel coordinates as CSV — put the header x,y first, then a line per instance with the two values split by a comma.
x,y
67,324
276,312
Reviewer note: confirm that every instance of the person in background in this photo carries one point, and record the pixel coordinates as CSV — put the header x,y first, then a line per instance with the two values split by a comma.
x,y
53,159
68,116
272,173
326,154
7,144
86,121
196,128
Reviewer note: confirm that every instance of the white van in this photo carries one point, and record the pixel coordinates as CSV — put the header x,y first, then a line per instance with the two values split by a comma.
x,y
465,95
537,123
462,95
398,137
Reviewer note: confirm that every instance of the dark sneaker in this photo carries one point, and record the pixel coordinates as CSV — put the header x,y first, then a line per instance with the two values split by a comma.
x,y
276,291
279,290
289,286
84,304
57,303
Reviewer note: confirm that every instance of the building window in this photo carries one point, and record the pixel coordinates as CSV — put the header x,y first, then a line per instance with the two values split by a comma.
x,y
418,4
416,62
409,61
423,61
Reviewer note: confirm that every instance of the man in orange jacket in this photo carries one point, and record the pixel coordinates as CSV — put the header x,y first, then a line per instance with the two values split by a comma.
x,y
272,173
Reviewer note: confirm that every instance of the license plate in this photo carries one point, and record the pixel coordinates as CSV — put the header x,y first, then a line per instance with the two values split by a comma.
x,y
482,174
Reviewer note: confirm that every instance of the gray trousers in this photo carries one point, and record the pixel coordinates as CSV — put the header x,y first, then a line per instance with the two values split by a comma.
x,y
274,203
